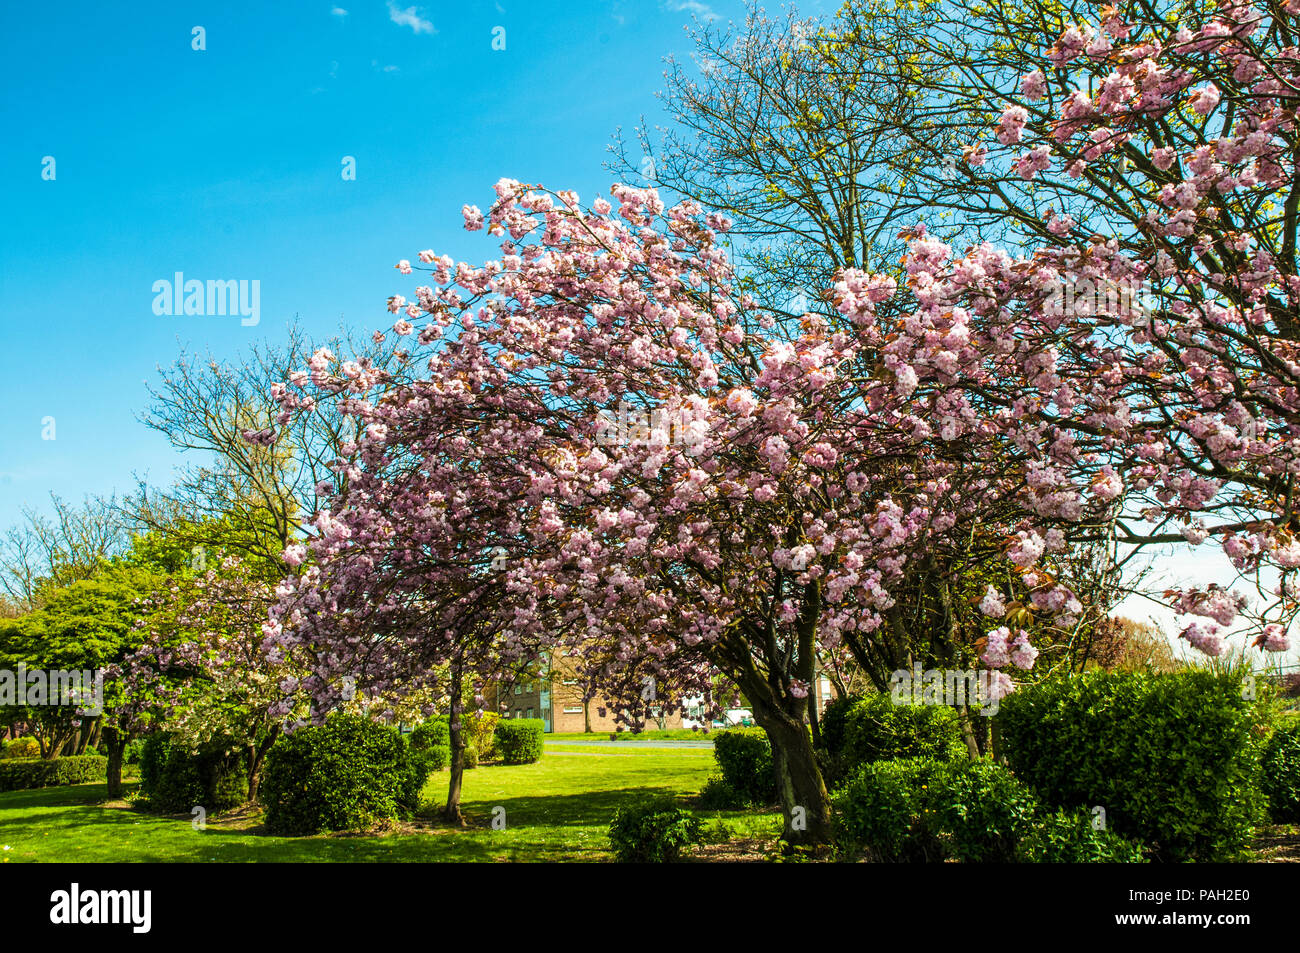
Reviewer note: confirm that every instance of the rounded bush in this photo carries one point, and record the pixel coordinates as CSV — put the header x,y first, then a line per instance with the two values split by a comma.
x,y
745,757
432,733
718,795
174,779
431,742
864,730
919,809
470,757
20,748
1173,758
1064,837
653,833
346,774
1281,778
519,740
879,811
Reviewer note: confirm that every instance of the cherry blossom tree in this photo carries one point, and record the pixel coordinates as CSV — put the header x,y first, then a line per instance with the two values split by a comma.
x,y
1146,353
679,486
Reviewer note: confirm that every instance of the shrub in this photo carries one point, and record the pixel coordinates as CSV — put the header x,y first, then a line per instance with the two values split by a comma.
x,y
880,811
653,833
480,732
175,778
859,731
519,740
346,774
133,750
1172,758
1064,837
980,809
26,773
1281,777
20,748
432,733
718,795
431,742
745,757
471,756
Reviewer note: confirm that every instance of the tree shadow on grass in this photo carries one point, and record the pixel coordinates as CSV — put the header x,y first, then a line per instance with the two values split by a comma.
x,y
583,809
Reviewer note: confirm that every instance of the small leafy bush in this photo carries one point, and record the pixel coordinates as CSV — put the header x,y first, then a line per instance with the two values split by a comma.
x,y
718,795
1281,763
470,758
880,812
27,773
1173,758
519,740
1069,837
431,742
919,809
653,833
20,748
745,757
175,778
346,774
433,733
857,731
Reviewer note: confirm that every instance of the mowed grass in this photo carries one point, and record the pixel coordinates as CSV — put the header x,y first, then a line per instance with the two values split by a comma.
x,y
558,809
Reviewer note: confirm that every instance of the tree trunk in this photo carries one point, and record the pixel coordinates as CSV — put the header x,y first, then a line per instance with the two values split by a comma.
x,y
586,714
968,732
115,742
804,799
455,727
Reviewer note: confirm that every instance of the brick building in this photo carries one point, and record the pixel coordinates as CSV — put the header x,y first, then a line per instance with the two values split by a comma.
x,y
555,696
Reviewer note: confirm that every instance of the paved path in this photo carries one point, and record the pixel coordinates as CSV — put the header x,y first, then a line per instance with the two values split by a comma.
x,y
615,745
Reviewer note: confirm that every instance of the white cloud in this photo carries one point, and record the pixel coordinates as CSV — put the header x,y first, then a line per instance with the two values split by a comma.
x,y
338,12
691,6
410,17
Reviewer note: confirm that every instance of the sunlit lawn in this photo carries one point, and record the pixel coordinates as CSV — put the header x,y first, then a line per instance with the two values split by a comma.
x,y
557,809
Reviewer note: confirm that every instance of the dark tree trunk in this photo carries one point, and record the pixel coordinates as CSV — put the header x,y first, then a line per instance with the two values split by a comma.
x,y
115,743
456,732
805,803
256,757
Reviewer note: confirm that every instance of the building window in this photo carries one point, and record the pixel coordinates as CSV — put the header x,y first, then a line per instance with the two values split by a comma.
x,y
518,713
570,681
519,689
530,713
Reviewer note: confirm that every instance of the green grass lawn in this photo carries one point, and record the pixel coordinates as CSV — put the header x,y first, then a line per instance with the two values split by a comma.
x,y
557,809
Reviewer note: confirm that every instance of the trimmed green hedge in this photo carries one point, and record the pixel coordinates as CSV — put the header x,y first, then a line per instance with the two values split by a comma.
x,y
1281,762
862,730
745,757
1172,758
21,774
175,779
919,809
346,774
653,833
519,740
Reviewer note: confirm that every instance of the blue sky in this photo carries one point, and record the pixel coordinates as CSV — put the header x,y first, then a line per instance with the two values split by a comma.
x,y
226,163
